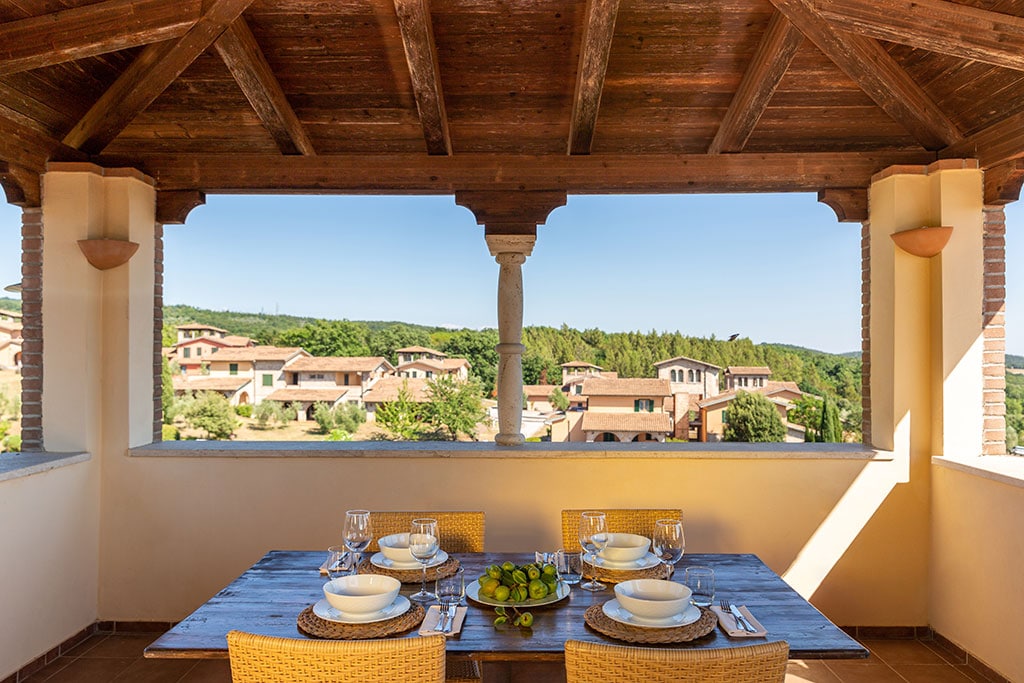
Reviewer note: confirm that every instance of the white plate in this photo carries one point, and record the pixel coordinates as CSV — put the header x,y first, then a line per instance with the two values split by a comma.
x,y
646,562
378,560
617,612
324,610
473,593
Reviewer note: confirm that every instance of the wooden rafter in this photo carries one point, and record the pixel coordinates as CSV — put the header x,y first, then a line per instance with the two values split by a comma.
x,y
877,74
241,53
1003,182
584,174
30,147
994,145
421,55
935,25
153,70
598,30
771,60
92,30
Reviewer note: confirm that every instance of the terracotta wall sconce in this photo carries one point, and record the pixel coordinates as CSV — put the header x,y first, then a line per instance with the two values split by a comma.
x,y
926,241
104,254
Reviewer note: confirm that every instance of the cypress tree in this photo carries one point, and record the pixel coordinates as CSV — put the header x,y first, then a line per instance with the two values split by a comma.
x,y
831,430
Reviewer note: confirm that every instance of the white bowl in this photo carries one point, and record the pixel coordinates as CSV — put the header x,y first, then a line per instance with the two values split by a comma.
x,y
361,593
396,548
652,598
625,547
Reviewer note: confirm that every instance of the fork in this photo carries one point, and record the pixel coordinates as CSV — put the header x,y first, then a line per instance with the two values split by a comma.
x,y
741,622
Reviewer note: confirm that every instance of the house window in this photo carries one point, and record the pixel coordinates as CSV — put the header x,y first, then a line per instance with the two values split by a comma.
x,y
346,379
199,350
430,374
187,352
690,375
579,389
268,380
414,374
232,368
696,373
643,405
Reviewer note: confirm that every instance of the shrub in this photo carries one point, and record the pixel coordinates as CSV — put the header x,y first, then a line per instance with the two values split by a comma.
x,y
244,410
338,435
170,433
212,413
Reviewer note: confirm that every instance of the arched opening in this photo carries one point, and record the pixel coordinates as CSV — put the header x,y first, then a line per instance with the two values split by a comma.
x,y
243,398
606,436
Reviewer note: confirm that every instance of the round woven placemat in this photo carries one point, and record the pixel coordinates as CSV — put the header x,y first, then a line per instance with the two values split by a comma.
x,y
312,625
602,623
658,571
446,568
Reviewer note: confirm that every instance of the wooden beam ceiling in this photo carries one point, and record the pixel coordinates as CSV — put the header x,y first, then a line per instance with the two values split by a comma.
x,y
583,174
598,30
241,53
153,70
421,55
877,74
936,25
92,30
771,60
993,145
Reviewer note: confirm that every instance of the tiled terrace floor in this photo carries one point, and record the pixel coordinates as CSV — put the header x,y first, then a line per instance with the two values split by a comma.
x,y
107,658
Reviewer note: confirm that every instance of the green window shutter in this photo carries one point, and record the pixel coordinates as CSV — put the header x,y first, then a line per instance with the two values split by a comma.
x,y
268,380
188,352
232,368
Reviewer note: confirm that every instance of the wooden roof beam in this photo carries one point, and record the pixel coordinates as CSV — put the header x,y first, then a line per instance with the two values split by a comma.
x,y
91,30
991,146
877,74
774,54
241,53
935,25
598,30
421,55
153,70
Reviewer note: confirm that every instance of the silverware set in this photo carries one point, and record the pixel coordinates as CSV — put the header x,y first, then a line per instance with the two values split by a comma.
x,y
741,621
446,621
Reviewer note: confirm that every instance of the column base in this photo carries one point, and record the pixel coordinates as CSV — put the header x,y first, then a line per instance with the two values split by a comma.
x,y
509,439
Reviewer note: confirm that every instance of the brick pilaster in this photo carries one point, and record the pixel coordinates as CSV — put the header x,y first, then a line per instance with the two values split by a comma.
x,y
865,329
32,329
994,330
158,324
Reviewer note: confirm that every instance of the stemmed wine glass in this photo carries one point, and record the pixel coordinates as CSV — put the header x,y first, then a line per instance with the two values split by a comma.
x,y
593,538
668,543
423,546
357,534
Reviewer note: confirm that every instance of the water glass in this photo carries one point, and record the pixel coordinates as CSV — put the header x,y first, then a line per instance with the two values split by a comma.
x,y
423,546
337,561
701,580
451,589
569,566
357,534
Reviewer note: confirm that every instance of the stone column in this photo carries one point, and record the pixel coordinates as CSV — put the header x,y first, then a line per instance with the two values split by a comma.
x,y
510,220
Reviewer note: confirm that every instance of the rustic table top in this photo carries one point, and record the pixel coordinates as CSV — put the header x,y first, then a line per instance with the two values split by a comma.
x,y
268,597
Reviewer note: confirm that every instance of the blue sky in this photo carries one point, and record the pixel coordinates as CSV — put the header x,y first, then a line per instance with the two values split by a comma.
x,y
774,268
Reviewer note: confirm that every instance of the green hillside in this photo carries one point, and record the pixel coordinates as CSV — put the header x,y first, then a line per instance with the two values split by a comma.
x,y
8,304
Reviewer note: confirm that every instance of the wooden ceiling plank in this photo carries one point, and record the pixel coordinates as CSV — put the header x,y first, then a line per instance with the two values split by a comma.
x,y
877,74
421,55
935,25
598,30
999,143
91,30
415,173
774,54
153,70
241,53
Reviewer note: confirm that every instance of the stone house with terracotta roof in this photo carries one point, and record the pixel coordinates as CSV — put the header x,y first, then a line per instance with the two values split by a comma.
x,y
409,354
386,390
429,368
714,410
746,377
10,340
263,365
621,409
689,376
197,343
331,380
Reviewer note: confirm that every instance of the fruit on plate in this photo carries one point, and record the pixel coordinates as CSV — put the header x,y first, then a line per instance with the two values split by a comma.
x,y
517,584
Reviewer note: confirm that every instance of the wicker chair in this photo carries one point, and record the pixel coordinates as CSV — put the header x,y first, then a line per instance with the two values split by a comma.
x,y
460,532
624,521
602,663
262,659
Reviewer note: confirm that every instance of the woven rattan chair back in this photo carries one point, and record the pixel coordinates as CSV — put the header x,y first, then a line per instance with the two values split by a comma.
x,y
460,532
262,659
602,663
622,521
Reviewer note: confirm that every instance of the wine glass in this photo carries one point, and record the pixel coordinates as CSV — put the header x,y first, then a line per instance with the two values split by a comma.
x,y
357,534
593,538
668,543
423,546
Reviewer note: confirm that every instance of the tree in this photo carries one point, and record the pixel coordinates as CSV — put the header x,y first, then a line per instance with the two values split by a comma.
x,y
753,418
455,407
558,399
212,413
830,431
167,392
478,348
401,417
328,338
385,341
807,412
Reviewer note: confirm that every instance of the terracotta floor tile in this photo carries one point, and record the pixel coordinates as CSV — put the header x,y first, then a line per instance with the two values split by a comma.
x,y
931,673
121,646
863,672
86,645
81,670
156,671
48,670
209,671
811,671
894,652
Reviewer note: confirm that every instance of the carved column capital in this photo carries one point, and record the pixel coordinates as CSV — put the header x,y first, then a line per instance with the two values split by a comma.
x,y
510,249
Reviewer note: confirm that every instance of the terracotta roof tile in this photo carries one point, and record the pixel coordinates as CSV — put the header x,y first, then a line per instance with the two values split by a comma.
x,y
289,394
255,353
208,383
626,386
197,326
748,370
539,390
579,364
421,349
443,365
386,390
599,421
340,364
669,361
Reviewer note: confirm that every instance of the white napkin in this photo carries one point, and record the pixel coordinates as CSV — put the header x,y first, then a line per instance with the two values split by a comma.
x,y
434,615
728,623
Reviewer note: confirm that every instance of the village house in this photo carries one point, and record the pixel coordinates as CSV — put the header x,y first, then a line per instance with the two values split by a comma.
x,y
10,340
408,354
689,376
429,368
713,411
330,380
619,409
387,390
744,377
198,342
262,366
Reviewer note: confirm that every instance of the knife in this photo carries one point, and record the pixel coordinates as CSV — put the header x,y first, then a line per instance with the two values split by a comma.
x,y
741,620
442,618
452,611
